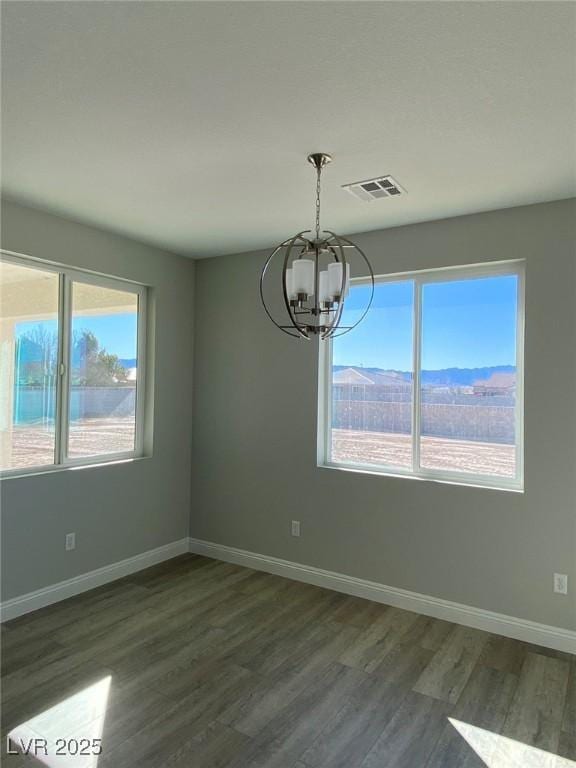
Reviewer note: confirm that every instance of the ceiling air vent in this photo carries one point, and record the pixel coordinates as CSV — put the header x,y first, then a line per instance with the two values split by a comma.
x,y
374,189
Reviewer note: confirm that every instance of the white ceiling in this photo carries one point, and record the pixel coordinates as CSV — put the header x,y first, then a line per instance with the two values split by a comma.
x,y
187,124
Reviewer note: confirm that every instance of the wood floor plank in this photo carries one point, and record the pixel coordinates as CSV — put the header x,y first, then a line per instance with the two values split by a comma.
x,y
130,709
156,741
248,634
503,654
59,664
358,612
183,719
27,694
429,633
537,710
120,600
404,663
350,734
486,698
484,704
259,640
215,747
149,624
19,651
411,734
293,729
569,721
264,585
567,746
274,650
378,639
157,575
276,692
452,665
233,611
313,605
150,662
17,761
108,612
197,677
550,652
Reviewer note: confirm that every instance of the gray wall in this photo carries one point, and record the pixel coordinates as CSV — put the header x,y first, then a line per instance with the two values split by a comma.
x,y
254,454
125,509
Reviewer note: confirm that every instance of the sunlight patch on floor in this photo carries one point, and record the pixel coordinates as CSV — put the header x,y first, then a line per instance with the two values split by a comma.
x,y
501,752
68,734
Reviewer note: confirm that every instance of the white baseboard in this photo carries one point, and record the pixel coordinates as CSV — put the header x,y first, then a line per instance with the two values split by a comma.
x,y
31,601
520,629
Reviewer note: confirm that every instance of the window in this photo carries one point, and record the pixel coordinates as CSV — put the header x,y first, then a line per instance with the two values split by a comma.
x,y
430,383
29,331
103,365
71,366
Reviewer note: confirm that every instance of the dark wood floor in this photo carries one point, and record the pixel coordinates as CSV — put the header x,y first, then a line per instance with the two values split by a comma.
x,y
213,665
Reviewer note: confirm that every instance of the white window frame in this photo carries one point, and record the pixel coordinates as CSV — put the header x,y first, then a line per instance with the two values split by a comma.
x,y
67,276
421,278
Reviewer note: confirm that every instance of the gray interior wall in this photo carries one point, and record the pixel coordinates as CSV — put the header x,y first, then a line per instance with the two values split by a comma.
x,y
254,443
120,510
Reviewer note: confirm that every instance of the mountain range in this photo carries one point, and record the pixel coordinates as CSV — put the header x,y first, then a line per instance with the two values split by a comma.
x,y
445,376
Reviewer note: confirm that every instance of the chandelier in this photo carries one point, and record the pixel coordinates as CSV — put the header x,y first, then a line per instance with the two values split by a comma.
x,y
315,277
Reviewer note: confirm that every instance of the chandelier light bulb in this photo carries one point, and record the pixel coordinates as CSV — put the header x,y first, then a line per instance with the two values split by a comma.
x,y
289,282
324,287
335,273
303,277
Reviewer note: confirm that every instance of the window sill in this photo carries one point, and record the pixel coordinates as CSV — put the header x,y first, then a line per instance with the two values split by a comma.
x,y
14,474
466,481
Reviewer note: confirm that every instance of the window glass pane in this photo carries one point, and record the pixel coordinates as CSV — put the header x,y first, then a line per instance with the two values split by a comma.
x,y
28,363
468,376
103,371
372,379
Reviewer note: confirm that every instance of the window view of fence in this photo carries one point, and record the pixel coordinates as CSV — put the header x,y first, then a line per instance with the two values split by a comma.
x,y
468,379
103,368
372,406
466,322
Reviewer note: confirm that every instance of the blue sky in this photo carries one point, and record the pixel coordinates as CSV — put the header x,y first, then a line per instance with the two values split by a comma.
x,y
116,333
466,324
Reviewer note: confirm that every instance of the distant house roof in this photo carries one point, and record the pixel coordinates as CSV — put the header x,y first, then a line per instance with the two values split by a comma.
x,y
360,376
350,376
497,381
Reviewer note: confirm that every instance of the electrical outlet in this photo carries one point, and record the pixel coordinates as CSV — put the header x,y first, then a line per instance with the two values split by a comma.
x,y
70,541
561,583
295,527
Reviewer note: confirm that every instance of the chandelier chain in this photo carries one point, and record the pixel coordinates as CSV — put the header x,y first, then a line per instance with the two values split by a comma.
x,y
318,174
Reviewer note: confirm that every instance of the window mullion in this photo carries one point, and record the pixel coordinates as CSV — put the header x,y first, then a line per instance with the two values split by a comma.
x,y
63,370
416,377
327,366
141,337
59,370
519,405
